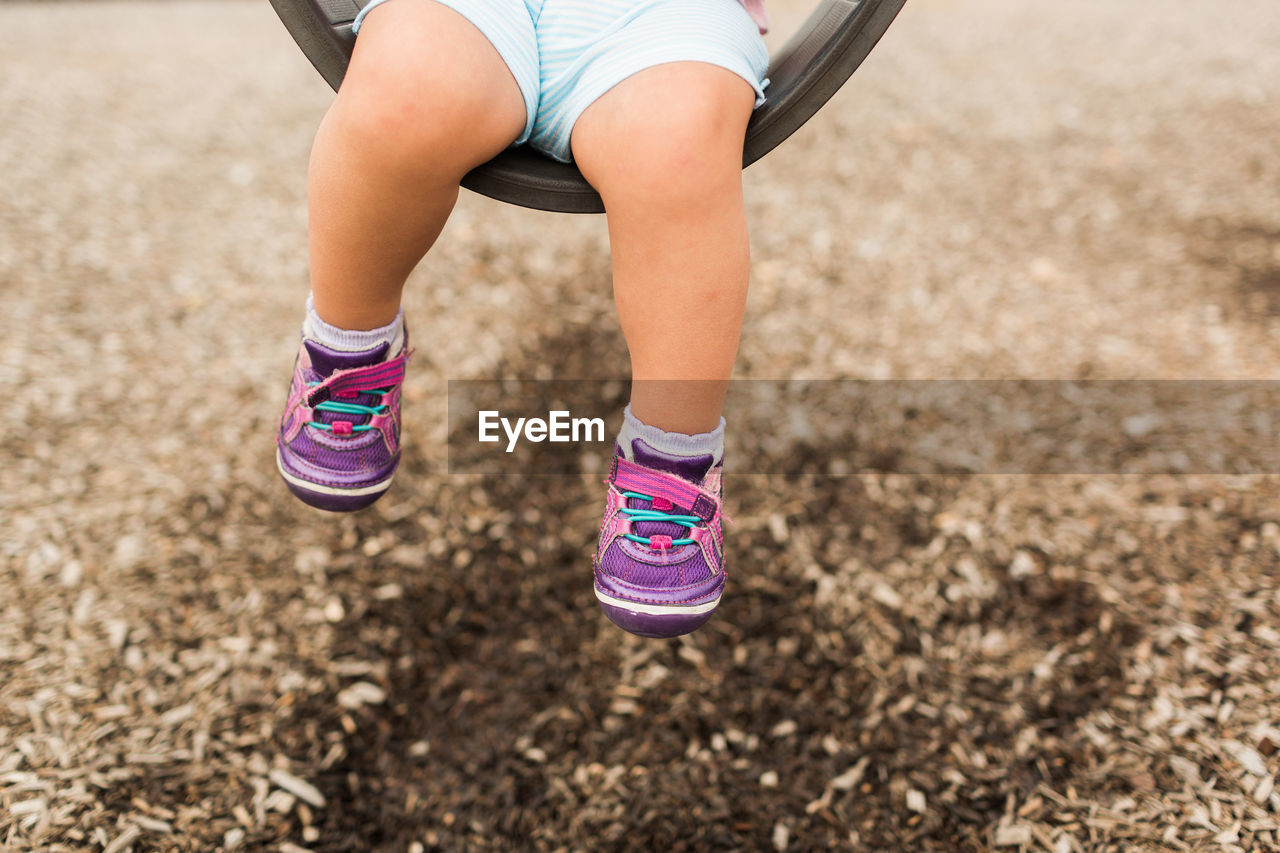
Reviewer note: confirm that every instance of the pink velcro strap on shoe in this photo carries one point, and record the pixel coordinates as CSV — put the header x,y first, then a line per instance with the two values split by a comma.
x,y
628,476
386,374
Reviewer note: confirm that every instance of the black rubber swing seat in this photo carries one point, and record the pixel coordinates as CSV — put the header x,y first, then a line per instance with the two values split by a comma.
x,y
803,75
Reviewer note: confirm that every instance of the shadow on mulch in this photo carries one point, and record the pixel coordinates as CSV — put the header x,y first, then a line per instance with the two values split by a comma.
x,y
1251,251
516,716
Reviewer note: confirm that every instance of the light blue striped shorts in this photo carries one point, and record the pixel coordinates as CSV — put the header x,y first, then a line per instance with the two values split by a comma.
x,y
565,54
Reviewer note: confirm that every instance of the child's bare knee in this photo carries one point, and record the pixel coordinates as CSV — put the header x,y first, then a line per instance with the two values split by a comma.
x,y
679,152
680,165
410,105
420,128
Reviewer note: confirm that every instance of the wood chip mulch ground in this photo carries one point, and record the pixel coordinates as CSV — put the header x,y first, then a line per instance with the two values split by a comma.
x,y
189,660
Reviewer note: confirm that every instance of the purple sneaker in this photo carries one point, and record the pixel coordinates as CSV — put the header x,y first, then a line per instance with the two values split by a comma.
x,y
659,569
339,439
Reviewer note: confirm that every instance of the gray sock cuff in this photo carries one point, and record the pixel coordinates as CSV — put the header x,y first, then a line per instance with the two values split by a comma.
x,y
353,340
674,443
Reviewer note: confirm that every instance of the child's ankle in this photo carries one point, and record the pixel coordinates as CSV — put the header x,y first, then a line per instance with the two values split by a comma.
x,y
353,340
640,439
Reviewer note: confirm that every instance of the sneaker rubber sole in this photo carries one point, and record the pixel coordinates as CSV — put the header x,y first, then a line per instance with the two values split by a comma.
x,y
331,498
656,621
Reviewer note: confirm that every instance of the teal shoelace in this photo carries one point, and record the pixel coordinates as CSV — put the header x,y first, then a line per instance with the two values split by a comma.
x,y
334,407
657,515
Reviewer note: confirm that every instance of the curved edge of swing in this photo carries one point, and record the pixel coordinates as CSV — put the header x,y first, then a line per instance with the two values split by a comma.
x,y
327,46
524,177
806,72
801,95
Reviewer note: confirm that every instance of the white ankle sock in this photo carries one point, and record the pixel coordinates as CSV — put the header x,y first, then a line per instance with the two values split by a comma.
x,y
675,443
353,340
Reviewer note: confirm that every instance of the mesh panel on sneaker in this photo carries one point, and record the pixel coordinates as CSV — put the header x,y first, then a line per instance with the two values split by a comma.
x,y
373,455
625,568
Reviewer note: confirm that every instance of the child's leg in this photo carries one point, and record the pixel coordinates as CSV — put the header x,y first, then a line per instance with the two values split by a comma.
x,y
426,99
664,150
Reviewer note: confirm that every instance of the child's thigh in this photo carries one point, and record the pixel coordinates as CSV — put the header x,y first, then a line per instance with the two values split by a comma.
x,y
589,47
450,58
